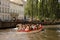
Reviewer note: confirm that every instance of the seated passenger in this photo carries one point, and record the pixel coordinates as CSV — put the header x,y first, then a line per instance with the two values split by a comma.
x,y
34,27
20,27
23,28
27,29
40,26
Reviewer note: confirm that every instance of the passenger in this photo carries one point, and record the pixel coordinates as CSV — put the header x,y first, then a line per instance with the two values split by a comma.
x,y
20,27
27,28
23,28
33,26
40,26
37,25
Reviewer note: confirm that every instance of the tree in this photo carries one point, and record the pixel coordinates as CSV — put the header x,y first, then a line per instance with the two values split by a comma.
x,y
58,15
48,9
43,9
31,9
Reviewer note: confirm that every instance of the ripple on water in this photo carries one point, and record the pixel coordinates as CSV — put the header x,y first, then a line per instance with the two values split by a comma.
x,y
43,35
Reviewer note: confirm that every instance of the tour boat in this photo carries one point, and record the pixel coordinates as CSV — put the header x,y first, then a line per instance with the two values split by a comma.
x,y
32,31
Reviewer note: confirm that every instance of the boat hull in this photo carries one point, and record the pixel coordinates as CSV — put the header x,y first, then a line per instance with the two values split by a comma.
x,y
33,31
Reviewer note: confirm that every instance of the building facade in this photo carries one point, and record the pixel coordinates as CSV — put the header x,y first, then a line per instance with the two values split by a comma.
x,y
58,0
4,10
9,9
17,9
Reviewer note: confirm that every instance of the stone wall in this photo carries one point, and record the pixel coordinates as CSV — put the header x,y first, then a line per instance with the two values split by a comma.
x,y
7,24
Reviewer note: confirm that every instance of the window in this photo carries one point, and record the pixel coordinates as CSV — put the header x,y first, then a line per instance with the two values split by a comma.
x,y
0,2
5,10
8,10
0,9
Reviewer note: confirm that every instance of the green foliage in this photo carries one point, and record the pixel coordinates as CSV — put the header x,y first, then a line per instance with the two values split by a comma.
x,y
43,9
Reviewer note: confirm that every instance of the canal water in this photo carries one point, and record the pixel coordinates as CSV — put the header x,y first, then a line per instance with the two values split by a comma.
x,y
47,34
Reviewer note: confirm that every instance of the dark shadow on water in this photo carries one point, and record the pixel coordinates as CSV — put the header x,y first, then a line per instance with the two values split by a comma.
x,y
7,27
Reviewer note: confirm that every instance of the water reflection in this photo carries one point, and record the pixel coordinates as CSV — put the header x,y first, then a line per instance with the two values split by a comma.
x,y
47,34
51,35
